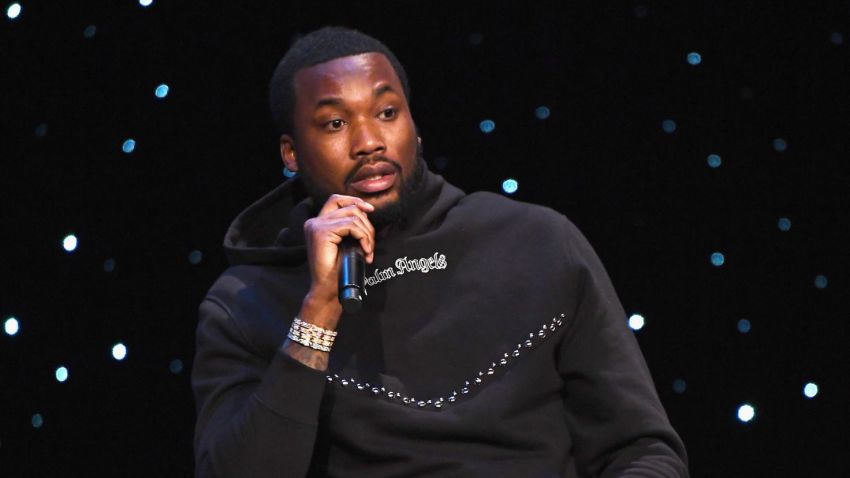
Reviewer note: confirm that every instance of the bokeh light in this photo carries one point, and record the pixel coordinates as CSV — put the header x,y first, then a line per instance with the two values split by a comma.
x,y
14,11
69,243
161,91
714,160
145,3
810,390
11,326
61,374
744,326
510,186
636,322
195,257
718,259
90,31
128,146
784,224
746,412
37,420
780,145
176,366
542,112
487,126
119,351
109,265
41,130
679,386
669,126
820,281
694,58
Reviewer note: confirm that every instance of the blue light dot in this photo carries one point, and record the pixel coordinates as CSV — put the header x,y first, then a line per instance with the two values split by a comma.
x,y
37,420
61,374
837,38
679,386
714,160
542,112
13,11
510,186
744,326
119,351
718,259
636,322
780,145
694,58
820,281
669,126
195,257
145,3
784,224
289,173
176,366
487,126
69,243
746,412
109,265
161,91
90,31
810,390
41,130
128,146
11,326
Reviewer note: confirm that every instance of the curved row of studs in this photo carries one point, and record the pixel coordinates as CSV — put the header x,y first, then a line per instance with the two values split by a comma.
x,y
530,342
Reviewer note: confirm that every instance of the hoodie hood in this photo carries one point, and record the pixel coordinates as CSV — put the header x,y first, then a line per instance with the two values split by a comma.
x,y
270,231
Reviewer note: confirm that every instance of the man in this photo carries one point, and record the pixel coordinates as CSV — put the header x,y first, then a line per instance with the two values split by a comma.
x,y
490,343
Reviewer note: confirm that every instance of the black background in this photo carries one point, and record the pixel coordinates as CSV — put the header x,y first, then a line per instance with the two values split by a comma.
x,y
610,72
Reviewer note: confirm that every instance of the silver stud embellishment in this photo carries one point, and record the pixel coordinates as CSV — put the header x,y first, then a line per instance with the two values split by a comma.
x,y
534,339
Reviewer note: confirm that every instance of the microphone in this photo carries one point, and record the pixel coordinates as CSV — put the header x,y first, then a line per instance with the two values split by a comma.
x,y
352,275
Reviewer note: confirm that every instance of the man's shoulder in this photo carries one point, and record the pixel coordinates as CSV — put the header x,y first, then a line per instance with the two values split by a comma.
x,y
492,206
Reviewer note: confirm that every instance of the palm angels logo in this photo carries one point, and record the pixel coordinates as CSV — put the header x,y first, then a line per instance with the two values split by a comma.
x,y
403,265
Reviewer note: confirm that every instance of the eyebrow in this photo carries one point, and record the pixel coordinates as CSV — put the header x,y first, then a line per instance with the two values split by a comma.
x,y
336,101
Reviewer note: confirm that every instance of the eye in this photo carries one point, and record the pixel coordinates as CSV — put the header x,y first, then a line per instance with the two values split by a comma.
x,y
387,114
334,125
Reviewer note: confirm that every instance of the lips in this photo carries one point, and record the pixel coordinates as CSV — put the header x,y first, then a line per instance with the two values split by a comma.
x,y
374,178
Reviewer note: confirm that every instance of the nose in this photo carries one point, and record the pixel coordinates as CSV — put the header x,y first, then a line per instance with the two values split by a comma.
x,y
367,140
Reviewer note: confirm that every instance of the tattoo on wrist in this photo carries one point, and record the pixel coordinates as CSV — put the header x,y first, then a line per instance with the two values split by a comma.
x,y
312,358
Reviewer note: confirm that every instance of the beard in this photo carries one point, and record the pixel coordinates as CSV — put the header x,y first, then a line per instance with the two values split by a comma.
x,y
393,213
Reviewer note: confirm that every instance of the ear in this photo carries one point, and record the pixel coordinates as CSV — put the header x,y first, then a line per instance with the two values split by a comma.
x,y
287,152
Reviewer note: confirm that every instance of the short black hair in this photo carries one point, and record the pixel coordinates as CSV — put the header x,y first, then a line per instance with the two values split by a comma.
x,y
316,47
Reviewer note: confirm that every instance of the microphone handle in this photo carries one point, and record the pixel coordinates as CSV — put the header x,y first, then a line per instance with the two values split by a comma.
x,y
352,275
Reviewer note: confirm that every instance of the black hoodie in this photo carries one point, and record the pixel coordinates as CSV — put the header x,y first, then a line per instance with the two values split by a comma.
x,y
491,343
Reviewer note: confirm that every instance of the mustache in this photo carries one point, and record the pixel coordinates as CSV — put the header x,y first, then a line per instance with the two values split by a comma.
x,y
373,160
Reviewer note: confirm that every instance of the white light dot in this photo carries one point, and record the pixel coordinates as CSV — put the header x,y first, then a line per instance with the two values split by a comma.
x,y
145,3
510,186
69,243
746,412
161,91
37,420
61,374
13,11
810,390
636,322
11,326
119,351
128,146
